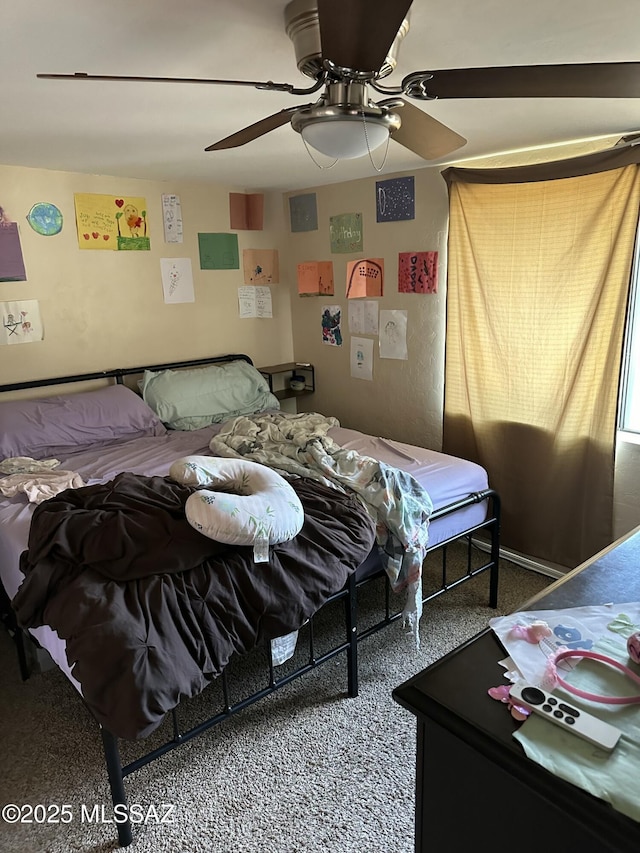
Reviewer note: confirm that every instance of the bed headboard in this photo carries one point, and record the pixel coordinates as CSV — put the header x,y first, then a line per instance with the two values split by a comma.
x,y
119,373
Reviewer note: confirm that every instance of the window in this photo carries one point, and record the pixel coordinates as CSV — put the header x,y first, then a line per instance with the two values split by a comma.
x,y
630,386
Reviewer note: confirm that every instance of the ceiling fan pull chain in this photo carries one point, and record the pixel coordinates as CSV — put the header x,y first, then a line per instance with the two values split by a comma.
x,y
386,150
319,165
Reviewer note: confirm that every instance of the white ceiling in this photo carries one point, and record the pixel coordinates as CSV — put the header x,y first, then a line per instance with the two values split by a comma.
x,y
159,131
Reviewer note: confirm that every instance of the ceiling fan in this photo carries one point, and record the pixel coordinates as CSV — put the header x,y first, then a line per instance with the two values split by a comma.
x,y
348,46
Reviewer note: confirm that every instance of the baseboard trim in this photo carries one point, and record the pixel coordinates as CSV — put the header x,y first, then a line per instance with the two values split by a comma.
x,y
525,562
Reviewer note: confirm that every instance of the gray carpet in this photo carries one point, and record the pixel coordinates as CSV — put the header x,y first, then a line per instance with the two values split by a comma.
x,y
307,769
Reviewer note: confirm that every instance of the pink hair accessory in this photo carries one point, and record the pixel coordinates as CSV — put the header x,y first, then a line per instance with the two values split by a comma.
x,y
551,677
532,633
633,647
501,693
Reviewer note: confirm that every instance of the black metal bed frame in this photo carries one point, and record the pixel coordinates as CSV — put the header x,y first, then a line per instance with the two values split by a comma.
x,y
117,771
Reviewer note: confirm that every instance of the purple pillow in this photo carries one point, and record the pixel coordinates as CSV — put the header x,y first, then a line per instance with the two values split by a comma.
x,y
53,425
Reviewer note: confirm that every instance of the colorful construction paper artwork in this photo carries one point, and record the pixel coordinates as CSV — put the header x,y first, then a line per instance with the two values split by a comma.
x,y
303,212
112,223
395,199
365,278
11,260
21,323
260,266
246,211
331,325
418,272
315,278
345,233
218,251
45,219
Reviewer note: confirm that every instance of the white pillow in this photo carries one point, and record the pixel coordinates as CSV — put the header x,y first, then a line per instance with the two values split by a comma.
x,y
246,504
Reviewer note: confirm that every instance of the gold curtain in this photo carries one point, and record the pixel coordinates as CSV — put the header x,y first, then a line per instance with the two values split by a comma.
x,y
538,280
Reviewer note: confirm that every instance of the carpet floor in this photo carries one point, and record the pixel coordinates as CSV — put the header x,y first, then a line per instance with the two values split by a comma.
x,y
306,770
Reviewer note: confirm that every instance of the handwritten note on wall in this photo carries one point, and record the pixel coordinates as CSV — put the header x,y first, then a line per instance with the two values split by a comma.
x,y
254,302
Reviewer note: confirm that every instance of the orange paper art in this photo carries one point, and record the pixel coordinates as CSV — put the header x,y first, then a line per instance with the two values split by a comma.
x,y
260,266
315,278
365,277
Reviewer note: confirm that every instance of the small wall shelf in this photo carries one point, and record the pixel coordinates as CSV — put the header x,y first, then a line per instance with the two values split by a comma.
x,y
284,372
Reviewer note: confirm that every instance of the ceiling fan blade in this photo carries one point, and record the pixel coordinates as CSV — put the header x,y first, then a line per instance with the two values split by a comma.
x,y
256,84
588,80
358,33
425,135
253,131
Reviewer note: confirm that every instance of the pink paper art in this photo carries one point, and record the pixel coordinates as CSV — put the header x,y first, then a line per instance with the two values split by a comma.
x,y
418,272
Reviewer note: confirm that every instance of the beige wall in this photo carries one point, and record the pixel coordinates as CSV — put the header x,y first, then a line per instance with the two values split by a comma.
x,y
105,309
405,398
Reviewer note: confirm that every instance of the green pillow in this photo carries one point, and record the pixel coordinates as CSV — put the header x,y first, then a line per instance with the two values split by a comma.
x,y
194,398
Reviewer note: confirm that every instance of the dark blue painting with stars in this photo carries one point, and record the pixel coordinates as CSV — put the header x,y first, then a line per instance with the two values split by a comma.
x,y
395,199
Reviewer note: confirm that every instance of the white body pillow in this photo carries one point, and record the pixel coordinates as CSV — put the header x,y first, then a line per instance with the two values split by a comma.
x,y
247,503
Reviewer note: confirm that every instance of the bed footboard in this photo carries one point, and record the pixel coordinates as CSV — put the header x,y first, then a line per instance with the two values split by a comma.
x,y
117,771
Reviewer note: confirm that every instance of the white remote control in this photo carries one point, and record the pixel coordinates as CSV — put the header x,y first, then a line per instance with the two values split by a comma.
x,y
568,717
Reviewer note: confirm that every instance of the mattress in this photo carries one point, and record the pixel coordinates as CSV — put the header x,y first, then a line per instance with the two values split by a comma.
x,y
446,479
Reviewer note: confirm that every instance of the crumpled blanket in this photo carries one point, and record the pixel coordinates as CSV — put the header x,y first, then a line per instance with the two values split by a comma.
x,y
41,486
151,610
26,465
401,508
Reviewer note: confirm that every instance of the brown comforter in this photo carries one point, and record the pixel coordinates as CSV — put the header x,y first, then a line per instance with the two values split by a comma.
x,y
151,610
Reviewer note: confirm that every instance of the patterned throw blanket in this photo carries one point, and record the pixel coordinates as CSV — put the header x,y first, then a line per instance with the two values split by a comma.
x,y
400,507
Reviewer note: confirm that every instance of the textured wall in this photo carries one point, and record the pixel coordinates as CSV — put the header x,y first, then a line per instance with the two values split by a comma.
x,y
405,398
106,309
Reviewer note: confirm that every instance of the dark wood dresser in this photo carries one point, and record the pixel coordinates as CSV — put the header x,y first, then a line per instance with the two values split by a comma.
x,y
475,787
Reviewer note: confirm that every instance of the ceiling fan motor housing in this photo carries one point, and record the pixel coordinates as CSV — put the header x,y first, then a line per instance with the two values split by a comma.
x,y
303,28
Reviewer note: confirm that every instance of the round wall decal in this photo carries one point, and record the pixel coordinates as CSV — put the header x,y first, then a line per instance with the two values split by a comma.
x,y
45,219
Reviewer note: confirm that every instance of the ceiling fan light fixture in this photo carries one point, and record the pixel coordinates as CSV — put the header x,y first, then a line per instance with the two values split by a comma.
x,y
345,138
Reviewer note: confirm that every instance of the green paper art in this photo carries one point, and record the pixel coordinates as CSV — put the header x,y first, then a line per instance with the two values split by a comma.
x,y
219,251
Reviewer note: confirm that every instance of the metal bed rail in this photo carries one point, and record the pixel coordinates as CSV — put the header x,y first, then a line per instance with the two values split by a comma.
x,y
118,373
